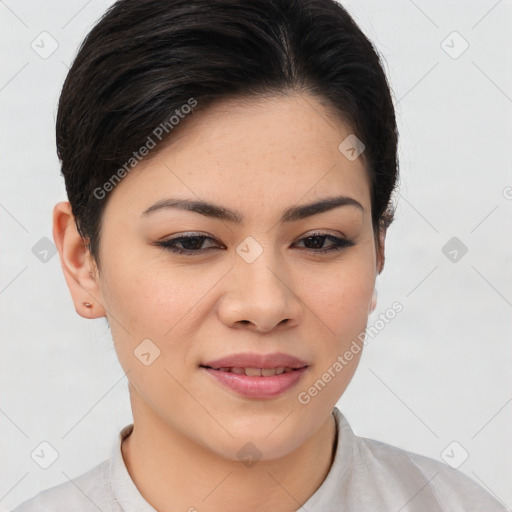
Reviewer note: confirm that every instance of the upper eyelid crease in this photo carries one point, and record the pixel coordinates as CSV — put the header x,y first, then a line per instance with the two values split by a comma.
x,y
291,214
338,242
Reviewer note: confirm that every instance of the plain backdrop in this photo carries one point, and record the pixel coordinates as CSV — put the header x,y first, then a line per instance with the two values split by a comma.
x,y
436,380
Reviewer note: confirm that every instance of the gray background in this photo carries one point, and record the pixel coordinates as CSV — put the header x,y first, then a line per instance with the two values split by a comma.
x,y
438,373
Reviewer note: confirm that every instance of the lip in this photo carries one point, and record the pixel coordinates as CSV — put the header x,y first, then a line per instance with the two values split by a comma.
x,y
258,387
253,360
253,386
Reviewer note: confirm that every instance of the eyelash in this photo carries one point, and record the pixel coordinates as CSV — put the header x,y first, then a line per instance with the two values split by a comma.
x,y
338,243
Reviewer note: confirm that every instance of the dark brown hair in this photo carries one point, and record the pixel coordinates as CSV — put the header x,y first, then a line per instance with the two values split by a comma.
x,y
146,60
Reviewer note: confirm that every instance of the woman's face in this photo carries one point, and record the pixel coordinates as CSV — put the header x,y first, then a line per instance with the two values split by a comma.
x,y
258,286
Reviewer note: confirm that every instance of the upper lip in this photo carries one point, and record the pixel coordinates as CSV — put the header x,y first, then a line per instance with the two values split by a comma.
x,y
253,360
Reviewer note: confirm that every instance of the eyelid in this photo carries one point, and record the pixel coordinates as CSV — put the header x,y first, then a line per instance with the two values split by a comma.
x,y
331,232
202,234
338,243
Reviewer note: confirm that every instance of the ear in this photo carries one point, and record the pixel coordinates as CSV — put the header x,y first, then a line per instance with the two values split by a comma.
x,y
380,246
77,263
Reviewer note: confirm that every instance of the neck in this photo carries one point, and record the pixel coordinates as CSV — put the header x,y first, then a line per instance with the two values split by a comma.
x,y
172,472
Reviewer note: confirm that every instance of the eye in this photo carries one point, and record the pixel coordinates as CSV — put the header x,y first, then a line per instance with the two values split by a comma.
x,y
192,244
317,240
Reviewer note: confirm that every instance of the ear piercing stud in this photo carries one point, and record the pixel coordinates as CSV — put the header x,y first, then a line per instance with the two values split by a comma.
x,y
87,304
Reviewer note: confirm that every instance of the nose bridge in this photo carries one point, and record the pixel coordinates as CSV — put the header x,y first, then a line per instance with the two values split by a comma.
x,y
259,266
262,294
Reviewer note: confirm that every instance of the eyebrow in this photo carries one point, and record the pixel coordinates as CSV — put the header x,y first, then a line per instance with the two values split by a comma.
x,y
291,214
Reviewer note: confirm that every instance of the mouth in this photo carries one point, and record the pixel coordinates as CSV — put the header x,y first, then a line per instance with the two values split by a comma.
x,y
256,375
256,364
254,372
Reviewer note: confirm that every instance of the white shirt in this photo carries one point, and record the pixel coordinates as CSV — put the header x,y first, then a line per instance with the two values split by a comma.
x,y
365,476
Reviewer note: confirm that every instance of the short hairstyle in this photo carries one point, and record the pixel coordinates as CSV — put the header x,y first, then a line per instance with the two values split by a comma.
x,y
147,60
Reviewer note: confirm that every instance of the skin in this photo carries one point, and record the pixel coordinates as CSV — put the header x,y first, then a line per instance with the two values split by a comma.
x,y
258,157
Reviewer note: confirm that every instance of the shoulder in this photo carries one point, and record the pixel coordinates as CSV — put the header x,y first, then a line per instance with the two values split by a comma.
x,y
426,482
373,475
87,492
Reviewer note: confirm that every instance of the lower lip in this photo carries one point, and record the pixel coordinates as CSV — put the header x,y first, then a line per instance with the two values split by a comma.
x,y
258,387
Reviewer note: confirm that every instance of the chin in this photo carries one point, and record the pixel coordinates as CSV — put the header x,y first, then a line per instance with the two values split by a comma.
x,y
258,439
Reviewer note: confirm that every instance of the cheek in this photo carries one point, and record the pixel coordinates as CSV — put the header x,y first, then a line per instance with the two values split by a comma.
x,y
148,298
340,302
340,298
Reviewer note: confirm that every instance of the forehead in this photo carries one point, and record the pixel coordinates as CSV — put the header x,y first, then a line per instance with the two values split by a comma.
x,y
264,151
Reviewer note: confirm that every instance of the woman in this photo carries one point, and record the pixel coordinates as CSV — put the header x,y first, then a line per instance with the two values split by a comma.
x,y
229,168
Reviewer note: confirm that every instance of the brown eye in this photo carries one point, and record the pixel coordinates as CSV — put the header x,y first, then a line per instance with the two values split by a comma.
x,y
191,244
316,241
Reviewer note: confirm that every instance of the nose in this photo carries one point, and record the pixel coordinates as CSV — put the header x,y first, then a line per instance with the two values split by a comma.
x,y
260,295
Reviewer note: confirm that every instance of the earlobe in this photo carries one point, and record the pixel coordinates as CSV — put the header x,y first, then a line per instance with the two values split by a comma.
x,y
77,264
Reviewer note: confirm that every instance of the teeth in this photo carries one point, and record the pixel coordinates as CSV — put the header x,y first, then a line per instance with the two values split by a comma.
x,y
256,372
253,372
